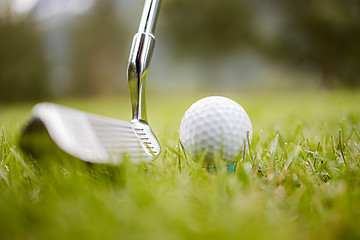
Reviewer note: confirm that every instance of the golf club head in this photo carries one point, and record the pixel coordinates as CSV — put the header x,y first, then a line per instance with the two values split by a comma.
x,y
98,139
90,137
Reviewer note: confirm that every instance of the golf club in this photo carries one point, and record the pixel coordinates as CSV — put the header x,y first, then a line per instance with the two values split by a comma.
x,y
98,139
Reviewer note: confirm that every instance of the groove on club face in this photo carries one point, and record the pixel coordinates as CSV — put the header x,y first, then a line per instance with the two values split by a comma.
x,y
94,138
146,137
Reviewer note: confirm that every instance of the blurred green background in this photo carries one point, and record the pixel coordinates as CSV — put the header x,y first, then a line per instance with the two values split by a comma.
x,y
293,65
72,48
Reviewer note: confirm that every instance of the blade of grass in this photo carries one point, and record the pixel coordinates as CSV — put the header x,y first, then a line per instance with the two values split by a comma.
x,y
291,158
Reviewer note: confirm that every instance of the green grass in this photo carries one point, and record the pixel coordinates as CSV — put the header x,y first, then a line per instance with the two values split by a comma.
x,y
299,180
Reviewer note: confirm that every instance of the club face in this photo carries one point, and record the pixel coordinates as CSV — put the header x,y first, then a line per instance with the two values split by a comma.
x,y
90,137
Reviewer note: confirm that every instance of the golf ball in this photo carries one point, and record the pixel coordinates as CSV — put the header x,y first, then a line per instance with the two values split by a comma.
x,y
217,127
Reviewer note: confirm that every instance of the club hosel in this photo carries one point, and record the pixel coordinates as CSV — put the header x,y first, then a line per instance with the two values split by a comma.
x,y
138,68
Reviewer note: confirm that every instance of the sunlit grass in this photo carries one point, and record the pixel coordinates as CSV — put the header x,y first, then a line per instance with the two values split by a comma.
x,y
299,180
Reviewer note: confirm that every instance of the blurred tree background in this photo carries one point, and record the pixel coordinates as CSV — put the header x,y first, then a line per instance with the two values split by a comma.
x,y
319,38
97,48
322,35
208,31
23,67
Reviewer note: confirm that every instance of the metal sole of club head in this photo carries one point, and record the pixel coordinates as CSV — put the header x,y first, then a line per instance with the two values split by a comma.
x,y
90,137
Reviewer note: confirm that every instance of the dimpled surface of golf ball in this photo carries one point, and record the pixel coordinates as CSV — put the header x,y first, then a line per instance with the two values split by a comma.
x,y
217,125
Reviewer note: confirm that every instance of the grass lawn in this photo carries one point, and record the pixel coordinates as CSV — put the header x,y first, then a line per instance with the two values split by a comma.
x,y
299,180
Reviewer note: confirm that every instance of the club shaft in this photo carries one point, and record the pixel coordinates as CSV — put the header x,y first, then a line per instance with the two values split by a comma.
x,y
139,60
149,16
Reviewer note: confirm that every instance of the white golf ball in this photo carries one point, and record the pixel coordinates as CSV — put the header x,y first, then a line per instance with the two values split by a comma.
x,y
217,125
